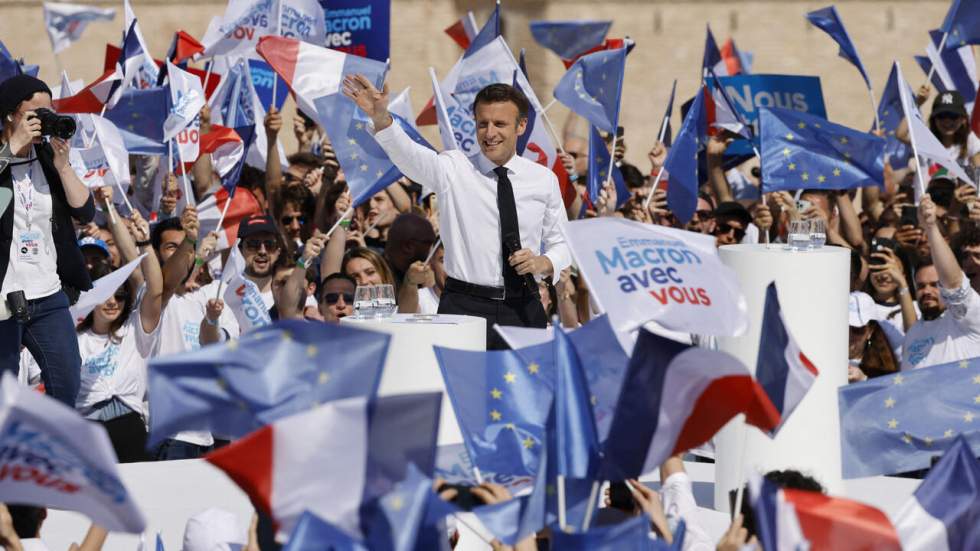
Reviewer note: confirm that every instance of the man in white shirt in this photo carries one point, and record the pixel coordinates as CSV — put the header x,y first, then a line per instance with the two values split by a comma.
x,y
497,210
950,326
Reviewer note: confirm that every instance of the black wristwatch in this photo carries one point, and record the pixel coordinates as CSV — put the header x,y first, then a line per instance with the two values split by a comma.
x,y
143,243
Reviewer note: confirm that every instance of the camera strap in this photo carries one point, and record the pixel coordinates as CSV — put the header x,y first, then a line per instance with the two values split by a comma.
x,y
25,194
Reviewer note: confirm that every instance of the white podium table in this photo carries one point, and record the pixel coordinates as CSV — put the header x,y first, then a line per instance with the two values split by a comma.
x,y
411,365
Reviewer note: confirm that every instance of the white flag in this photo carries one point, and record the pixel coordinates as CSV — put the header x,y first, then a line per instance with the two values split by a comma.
x,y
246,21
146,75
241,295
50,456
924,142
65,22
102,289
642,272
184,123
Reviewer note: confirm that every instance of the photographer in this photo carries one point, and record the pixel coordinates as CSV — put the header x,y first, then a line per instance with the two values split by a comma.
x,y
39,255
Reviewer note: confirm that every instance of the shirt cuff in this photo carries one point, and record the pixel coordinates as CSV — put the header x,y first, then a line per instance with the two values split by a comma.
x,y
958,300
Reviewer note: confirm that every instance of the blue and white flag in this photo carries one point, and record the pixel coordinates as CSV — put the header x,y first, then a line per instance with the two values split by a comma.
x,y
827,20
66,22
570,39
956,69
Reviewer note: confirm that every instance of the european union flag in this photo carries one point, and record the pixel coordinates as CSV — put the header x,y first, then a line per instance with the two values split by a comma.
x,y
577,454
501,400
599,163
312,533
570,39
898,423
238,386
800,150
631,535
139,115
393,521
828,21
682,161
890,114
962,24
605,363
593,87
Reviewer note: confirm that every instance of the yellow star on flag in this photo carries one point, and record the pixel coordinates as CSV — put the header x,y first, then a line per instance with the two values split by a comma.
x,y
893,424
351,141
976,380
786,152
898,379
948,434
789,137
927,440
792,166
510,426
890,402
843,140
324,378
232,345
359,126
533,368
396,502
816,125
906,438
311,351
964,364
801,126
968,417
821,178
836,172
496,394
976,399
528,443
495,415
354,156
806,177
510,377
364,168
379,174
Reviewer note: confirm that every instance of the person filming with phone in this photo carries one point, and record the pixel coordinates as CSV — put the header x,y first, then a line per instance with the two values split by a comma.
x,y
40,263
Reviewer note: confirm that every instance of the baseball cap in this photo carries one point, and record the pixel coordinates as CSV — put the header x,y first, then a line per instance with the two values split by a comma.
x,y
257,223
90,241
861,309
948,102
213,530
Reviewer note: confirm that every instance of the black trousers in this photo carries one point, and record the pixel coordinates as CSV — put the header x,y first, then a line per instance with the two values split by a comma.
x,y
524,311
128,437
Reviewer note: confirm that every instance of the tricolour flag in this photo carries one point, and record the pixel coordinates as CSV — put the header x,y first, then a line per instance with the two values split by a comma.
x,y
711,60
149,71
243,204
463,31
944,512
670,403
52,457
66,22
782,368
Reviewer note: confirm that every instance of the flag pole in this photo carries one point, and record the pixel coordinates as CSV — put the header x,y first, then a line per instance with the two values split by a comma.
x,y
347,213
561,502
275,76
590,507
554,134
612,161
550,103
874,109
224,211
915,149
123,193
939,53
183,174
432,251
221,280
740,473
207,77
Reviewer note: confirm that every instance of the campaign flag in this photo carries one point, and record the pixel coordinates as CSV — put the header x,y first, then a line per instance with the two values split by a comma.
x,y
187,99
599,163
682,160
101,290
593,87
442,116
962,24
243,204
463,31
944,511
501,400
264,80
358,27
898,423
237,386
66,22
890,114
790,519
139,117
955,69
570,39
802,151
242,296
246,22
106,161
736,61
575,430
783,370
670,403
52,457
532,115
113,53
370,443
711,60
828,21
641,272
148,71
925,145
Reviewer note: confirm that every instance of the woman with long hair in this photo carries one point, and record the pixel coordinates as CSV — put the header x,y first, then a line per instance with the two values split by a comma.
x,y
950,123
367,267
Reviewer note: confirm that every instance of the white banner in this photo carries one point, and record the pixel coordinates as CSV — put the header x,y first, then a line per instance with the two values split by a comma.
x,y
643,272
246,21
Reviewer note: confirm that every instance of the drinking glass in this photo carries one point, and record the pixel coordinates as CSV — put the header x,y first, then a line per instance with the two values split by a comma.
x,y
818,233
798,237
385,305
364,301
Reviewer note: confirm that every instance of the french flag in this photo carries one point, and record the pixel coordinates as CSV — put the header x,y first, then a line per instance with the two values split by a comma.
x,y
721,111
782,368
240,204
670,403
944,512
463,31
789,520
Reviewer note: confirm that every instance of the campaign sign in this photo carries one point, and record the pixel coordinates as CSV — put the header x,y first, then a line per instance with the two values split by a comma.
x,y
51,456
643,272
750,92
262,75
91,167
359,27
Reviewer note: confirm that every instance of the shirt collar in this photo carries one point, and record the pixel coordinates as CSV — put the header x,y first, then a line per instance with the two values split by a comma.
x,y
486,166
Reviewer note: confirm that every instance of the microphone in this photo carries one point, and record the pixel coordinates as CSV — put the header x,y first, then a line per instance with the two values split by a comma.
x,y
513,245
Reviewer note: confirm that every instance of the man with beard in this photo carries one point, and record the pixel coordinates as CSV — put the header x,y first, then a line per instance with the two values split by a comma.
x,y
950,326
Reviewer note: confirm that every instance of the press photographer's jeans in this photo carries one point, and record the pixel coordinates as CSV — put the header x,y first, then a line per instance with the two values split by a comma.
x,y
50,337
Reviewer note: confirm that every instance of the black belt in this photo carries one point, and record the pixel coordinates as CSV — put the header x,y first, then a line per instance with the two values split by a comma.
x,y
484,291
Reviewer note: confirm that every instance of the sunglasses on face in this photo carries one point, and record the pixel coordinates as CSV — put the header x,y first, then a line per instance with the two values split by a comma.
x,y
289,219
333,298
948,116
256,244
724,228
703,214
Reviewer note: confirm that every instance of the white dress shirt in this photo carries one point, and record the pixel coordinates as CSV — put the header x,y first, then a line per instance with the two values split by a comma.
x,y
469,222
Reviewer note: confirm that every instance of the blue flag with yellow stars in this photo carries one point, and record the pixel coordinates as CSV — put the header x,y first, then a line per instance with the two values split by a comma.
x,y
962,24
238,386
827,20
501,400
593,87
802,151
570,39
139,115
899,423
890,114
576,436
599,163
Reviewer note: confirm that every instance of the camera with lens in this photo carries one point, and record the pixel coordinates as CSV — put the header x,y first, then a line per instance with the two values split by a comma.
x,y
53,124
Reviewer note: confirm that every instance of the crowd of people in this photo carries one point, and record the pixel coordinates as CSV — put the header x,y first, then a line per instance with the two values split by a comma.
x,y
914,281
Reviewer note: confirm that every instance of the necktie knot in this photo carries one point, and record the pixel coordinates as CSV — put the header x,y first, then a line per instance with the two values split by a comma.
x,y
500,171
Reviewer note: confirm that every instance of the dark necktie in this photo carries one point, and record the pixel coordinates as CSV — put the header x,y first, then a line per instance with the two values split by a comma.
x,y
510,233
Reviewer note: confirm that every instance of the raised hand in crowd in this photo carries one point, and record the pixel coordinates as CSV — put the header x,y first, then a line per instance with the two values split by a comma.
x,y
205,118
922,94
304,134
761,215
657,156
9,539
736,537
372,101
170,196
568,162
272,123
891,266
606,202
649,502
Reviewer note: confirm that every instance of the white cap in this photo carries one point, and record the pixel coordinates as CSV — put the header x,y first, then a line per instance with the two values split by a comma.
x,y
213,530
861,309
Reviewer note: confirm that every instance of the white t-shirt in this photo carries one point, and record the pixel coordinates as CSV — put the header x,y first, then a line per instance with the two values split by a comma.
x,y
180,330
116,368
890,318
39,277
953,336
428,301
678,502
972,148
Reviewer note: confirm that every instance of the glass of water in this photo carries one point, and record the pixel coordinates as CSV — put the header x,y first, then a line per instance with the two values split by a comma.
x,y
798,237
364,301
818,233
385,301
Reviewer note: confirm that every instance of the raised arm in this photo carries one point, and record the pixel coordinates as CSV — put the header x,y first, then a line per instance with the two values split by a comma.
x,y
120,233
950,273
716,170
152,304
273,168
202,170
